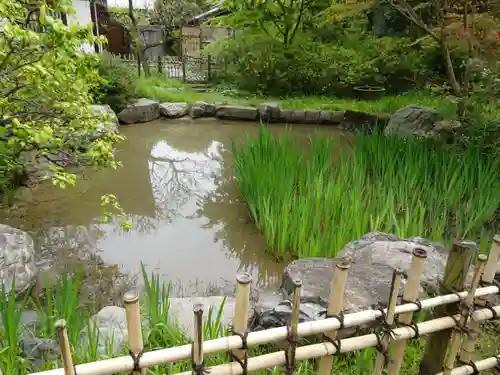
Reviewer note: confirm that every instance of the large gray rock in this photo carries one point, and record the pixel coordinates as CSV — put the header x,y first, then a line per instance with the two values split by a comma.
x,y
196,111
181,311
202,109
373,258
109,120
236,112
413,120
37,167
272,310
174,110
110,324
143,110
270,112
293,116
16,259
331,117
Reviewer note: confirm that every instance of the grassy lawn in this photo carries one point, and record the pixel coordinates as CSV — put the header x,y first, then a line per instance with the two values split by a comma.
x,y
163,89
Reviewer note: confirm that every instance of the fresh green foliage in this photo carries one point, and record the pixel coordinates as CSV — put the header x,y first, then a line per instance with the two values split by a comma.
x,y
331,64
45,98
10,353
117,83
282,19
309,204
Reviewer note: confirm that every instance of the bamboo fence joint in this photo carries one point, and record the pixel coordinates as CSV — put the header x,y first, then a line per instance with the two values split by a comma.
x,y
410,295
133,314
387,325
240,319
487,278
335,305
292,336
455,274
466,308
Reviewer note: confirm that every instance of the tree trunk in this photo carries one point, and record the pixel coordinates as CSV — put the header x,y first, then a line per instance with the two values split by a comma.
x,y
450,72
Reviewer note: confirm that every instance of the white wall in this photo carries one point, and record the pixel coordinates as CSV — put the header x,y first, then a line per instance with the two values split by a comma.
x,y
83,18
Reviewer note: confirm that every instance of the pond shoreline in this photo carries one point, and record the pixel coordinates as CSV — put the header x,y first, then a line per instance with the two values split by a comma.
x,y
146,110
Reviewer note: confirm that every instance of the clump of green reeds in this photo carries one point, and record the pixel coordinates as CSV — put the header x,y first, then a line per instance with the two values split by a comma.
x,y
312,202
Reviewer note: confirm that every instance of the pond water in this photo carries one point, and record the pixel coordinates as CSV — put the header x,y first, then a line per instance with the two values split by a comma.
x,y
190,224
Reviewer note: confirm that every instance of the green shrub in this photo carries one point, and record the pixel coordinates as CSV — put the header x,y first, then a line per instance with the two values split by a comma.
x,y
332,59
257,62
118,83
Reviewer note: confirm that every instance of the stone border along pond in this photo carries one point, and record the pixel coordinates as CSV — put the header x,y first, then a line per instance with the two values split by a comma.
x,y
410,120
145,110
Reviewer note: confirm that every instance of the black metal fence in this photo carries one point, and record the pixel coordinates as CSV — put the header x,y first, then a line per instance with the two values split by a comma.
x,y
186,68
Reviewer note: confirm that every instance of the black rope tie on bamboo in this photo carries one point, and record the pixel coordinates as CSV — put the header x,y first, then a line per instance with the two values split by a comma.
x,y
487,305
337,344
386,329
290,362
413,325
200,369
497,367
450,291
136,358
460,327
475,370
416,303
244,345
483,283
340,317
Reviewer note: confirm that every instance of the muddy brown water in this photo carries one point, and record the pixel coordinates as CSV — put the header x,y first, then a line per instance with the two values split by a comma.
x,y
190,223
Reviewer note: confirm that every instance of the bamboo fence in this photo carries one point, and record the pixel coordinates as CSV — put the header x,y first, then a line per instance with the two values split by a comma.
x,y
395,327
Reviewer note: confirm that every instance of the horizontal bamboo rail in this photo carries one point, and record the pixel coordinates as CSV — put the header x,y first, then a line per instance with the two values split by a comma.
x,y
482,365
347,345
273,335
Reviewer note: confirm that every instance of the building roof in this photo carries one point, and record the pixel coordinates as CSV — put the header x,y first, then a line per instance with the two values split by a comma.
x,y
209,14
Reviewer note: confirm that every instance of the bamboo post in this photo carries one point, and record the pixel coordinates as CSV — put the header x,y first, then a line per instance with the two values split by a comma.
x,y
389,320
197,344
62,333
240,319
487,277
467,305
410,294
455,275
335,305
293,336
492,262
133,312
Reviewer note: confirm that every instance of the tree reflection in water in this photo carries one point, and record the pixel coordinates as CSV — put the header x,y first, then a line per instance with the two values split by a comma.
x,y
227,215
